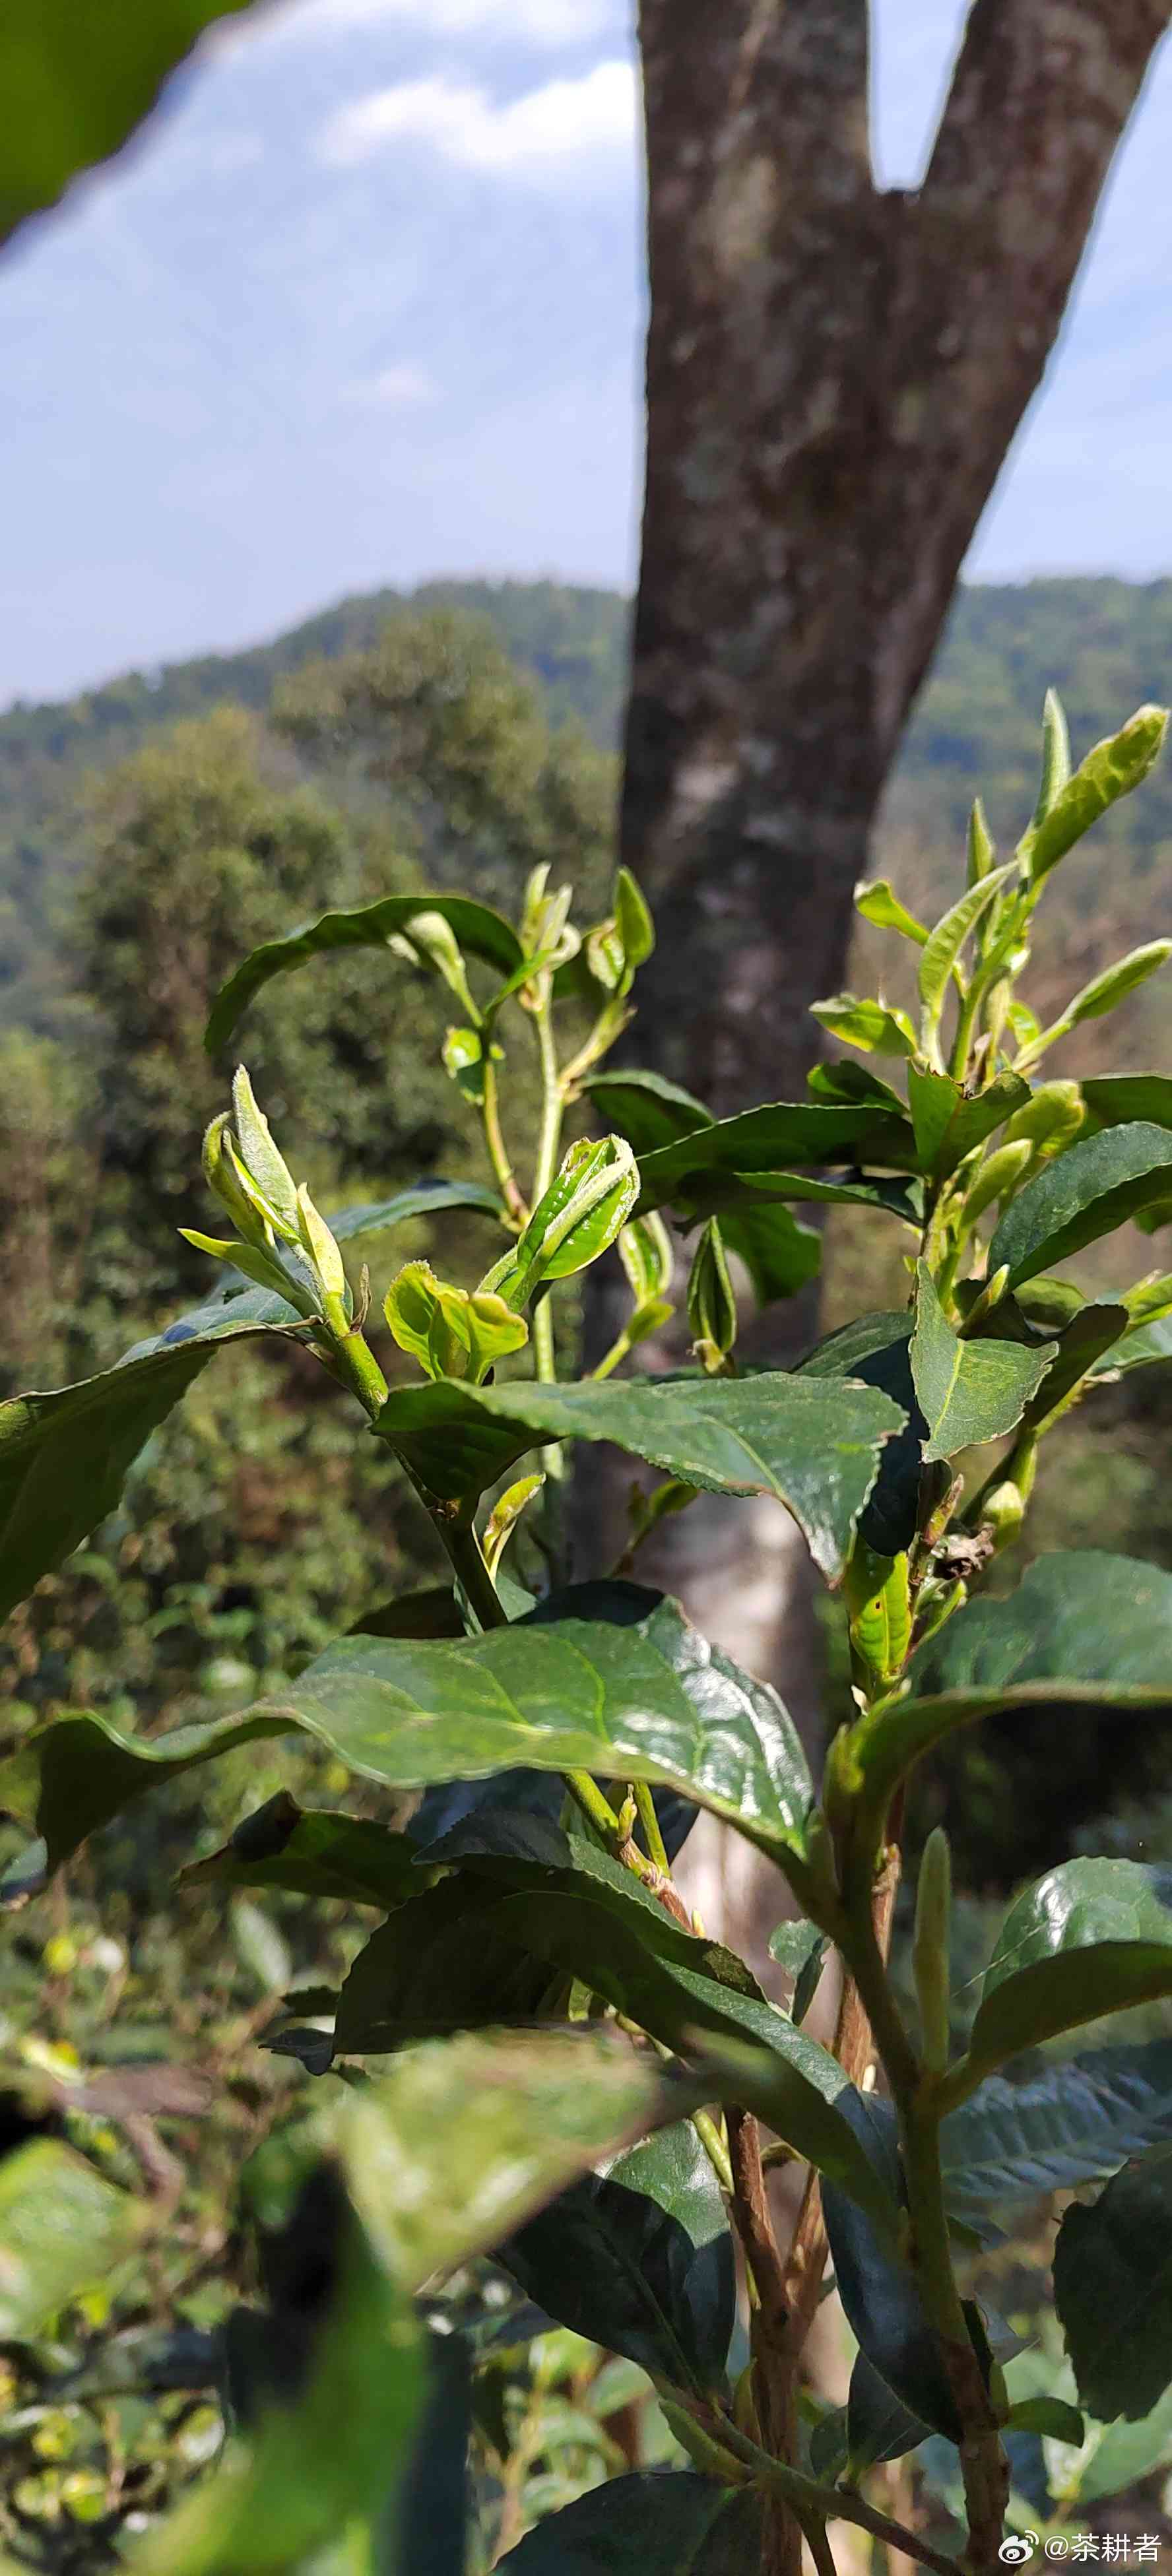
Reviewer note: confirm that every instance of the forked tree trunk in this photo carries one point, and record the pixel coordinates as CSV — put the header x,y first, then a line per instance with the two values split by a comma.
x,y
834,375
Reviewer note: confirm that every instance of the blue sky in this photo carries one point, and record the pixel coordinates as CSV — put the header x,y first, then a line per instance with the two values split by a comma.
x,y
364,304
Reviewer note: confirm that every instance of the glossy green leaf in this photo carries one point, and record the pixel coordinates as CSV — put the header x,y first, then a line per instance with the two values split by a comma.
x,y
640,2260
645,1108
1121,1099
434,1612
1113,2291
654,2523
1091,1937
946,942
437,1963
63,2229
1084,1193
879,904
75,84
333,2453
1084,1628
949,1124
313,1852
482,932
814,1446
1110,770
466,2138
968,1391
880,2296
607,1676
64,1456
859,1021
800,1949
1075,2122
1139,1348
876,1350
775,1139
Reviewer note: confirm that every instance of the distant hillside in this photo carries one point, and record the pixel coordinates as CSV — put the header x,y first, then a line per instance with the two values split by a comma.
x,y
1105,644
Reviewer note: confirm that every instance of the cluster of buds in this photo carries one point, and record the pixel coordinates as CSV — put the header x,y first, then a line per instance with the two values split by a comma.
x,y
282,1243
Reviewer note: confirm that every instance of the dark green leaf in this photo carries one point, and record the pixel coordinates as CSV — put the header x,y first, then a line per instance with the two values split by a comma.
x,y
425,2530
76,83
1121,1099
645,1108
489,2126
63,2228
434,1613
1084,1193
876,1350
1074,2123
640,2261
1141,1348
657,2523
421,1198
314,1853
778,1138
1091,1937
968,1391
483,933
1083,1627
1087,1340
74,1774
815,1447
800,1949
948,1123
1052,2417
880,2297
878,2424
1113,2291
64,1456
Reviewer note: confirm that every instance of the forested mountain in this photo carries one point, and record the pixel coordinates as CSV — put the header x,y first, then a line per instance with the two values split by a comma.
x,y
1105,644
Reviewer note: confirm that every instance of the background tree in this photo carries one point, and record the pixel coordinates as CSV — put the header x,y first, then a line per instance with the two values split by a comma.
x,y
834,374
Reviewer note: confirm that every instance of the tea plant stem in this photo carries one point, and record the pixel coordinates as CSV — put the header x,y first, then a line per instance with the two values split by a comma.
x,y
656,1848
983,2462
548,1145
353,1361
463,1547
832,2504
594,1805
714,2148
503,1172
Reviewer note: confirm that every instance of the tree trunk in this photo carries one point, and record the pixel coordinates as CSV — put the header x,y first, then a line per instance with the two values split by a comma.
x,y
834,375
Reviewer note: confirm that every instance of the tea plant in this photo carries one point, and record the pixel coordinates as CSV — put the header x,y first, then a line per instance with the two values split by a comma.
x,y
583,2085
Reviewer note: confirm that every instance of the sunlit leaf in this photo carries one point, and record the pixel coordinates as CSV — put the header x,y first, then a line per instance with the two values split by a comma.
x,y
1083,1194
482,932
968,1391
1091,1937
63,2228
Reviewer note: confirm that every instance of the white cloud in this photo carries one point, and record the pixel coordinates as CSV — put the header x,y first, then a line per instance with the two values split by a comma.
x,y
535,22
399,388
537,136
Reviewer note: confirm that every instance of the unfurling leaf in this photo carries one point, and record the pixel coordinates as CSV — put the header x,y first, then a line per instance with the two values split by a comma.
x,y
997,1179
1049,1120
879,1027
980,850
581,1213
263,1162
452,1332
878,903
320,1248
504,1516
944,948
1106,991
644,1248
1110,770
712,1306
463,1058
878,1603
427,939
633,919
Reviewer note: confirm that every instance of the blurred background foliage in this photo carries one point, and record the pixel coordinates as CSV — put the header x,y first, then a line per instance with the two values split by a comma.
x,y
153,832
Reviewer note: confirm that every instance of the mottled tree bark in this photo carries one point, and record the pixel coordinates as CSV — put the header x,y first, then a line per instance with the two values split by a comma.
x,y
834,375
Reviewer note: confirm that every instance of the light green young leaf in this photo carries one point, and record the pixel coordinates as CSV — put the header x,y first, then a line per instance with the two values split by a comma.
x,y
968,1391
1110,770
427,939
1105,991
633,919
644,1248
879,1027
262,1160
263,1268
504,1516
63,2229
452,1332
997,1178
1091,1937
1055,756
1082,1194
1049,1119
878,903
944,948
